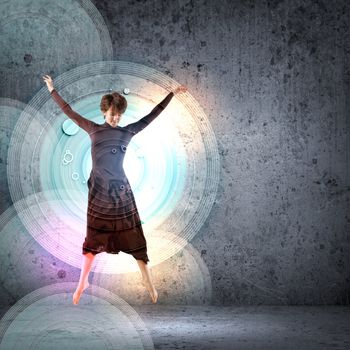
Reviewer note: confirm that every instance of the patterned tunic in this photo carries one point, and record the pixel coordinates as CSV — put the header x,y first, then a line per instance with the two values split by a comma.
x,y
113,221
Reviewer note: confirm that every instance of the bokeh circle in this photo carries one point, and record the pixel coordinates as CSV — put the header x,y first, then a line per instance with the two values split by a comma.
x,y
46,319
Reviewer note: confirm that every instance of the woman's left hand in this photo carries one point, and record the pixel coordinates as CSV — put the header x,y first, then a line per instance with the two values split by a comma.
x,y
180,89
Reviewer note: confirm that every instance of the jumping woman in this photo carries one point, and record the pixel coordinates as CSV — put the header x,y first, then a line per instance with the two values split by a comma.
x,y
113,221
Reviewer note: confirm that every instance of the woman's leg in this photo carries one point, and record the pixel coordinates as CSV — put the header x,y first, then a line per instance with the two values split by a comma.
x,y
147,279
88,258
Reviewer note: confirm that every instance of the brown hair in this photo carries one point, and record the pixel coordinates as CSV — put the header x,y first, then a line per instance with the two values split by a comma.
x,y
114,100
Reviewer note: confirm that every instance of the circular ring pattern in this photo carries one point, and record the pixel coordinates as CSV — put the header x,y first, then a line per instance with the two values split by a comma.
x,y
114,150
122,187
123,148
181,160
75,176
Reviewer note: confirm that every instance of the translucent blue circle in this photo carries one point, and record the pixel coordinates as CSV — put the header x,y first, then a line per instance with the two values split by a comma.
x,y
69,127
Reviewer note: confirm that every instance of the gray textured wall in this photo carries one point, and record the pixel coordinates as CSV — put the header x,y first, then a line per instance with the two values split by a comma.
x,y
273,78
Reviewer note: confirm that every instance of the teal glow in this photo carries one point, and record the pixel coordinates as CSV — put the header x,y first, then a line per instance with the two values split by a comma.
x,y
155,165
70,128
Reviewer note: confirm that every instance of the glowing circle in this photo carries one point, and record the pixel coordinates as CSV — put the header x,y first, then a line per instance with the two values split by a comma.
x,y
47,316
172,165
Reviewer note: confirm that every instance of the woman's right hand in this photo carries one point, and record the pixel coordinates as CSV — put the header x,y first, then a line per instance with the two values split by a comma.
x,y
48,82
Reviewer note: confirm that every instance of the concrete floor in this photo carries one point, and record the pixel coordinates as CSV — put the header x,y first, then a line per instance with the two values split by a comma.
x,y
182,327
255,327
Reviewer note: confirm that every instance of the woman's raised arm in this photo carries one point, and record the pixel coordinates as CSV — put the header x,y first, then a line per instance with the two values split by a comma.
x,y
146,120
82,122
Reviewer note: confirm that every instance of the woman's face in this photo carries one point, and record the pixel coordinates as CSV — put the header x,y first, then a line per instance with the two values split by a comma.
x,y
112,119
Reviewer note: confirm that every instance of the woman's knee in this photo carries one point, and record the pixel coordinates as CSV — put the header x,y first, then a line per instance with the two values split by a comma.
x,y
89,255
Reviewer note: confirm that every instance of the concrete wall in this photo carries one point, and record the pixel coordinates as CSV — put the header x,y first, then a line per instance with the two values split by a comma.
x,y
277,76
273,78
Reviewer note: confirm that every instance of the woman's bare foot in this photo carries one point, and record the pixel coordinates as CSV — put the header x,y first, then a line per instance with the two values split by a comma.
x,y
152,291
77,293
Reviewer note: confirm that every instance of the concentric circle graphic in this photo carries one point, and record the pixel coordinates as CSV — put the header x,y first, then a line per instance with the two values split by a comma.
x,y
10,111
49,35
172,165
47,319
